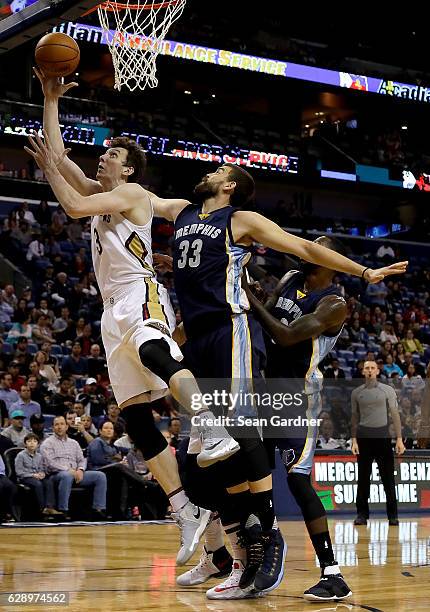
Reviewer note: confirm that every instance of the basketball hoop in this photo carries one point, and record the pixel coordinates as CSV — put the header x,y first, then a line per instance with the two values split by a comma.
x,y
139,32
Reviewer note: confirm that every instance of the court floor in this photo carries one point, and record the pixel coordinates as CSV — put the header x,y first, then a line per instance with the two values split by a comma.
x,y
131,567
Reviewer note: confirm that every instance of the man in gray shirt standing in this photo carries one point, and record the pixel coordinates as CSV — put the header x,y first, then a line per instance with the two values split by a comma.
x,y
371,405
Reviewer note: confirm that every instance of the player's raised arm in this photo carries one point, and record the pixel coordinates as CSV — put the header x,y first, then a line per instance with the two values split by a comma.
x,y
168,208
53,89
250,227
120,199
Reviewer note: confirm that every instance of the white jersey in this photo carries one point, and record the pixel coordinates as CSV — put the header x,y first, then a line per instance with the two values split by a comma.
x,y
121,252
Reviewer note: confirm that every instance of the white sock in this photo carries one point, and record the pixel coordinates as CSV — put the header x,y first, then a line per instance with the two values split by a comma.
x,y
331,570
178,500
214,536
239,553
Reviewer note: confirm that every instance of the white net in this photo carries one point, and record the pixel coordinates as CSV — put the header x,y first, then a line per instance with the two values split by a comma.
x,y
137,38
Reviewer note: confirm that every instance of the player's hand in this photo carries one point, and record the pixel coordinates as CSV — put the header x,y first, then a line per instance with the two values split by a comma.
x,y
42,152
375,276
354,448
52,87
400,447
162,263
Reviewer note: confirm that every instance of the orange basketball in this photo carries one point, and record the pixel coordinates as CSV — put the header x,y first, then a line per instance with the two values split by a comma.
x,y
57,54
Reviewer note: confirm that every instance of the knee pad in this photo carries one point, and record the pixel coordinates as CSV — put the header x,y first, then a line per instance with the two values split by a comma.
x,y
305,495
155,355
141,428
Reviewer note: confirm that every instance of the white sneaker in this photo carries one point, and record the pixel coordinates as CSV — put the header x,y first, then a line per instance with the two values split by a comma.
x,y
192,521
229,589
206,568
217,444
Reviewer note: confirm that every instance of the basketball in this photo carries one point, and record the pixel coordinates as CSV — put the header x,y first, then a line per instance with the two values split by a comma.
x,y
57,54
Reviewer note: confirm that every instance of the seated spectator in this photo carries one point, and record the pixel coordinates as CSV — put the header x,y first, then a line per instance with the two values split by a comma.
x,y
334,371
37,427
65,464
61,289
400,359
62,400
21,327
93,398
97,367
17,380
16,431
8,495
86,340
174,429
26,405
390,367
113,415
411,380
43,213
36,248
46,371
376,294
38,391
9,296
386,349
42,331
76,429
22,355
79,408
29,470
388,333
44,309
409,359
7,393
325,439
102,451
63,326
412,344
357,333
75,365
6,311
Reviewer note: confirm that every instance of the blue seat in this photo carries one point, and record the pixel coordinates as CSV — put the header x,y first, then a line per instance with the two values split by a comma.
x,y
66,246
346,354
56,349
348,373
32,348
360,354
7,326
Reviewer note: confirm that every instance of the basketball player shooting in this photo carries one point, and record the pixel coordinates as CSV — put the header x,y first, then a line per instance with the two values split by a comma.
x,y
138,320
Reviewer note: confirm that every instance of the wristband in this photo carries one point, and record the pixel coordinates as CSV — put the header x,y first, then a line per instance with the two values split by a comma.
x,y
363,273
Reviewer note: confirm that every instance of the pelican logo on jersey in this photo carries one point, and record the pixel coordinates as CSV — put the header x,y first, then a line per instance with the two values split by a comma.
x,y
198,228
300,294
203,216
290,306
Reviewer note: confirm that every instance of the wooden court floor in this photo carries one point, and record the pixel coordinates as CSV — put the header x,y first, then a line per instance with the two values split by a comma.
x,y
132,567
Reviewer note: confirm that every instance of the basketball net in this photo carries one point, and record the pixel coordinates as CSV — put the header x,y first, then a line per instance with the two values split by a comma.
x,y
140,30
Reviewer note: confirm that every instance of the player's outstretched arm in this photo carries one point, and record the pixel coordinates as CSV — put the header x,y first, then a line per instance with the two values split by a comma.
x,y
53,89
167,208
250,226
329,315
121,199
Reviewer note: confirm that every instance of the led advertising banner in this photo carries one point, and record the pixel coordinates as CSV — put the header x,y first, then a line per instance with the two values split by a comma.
x,y
335,480
168,147
241,61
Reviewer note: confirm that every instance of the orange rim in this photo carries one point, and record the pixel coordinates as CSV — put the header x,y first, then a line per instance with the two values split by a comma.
x,y
111,6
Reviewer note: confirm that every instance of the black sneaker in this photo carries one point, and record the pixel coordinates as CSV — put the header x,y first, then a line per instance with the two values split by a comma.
x,y
271,572
250,537
360,520
393,521
329,588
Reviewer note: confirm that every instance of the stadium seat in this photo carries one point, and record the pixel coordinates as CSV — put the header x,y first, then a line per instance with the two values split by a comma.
x,y
347,355
7,348
32,348
56,349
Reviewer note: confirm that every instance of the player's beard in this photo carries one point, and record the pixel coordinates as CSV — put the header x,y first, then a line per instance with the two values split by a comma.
x,y
204,190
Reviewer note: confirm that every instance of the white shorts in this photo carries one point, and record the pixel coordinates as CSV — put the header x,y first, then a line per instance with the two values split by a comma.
x,y
130,318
